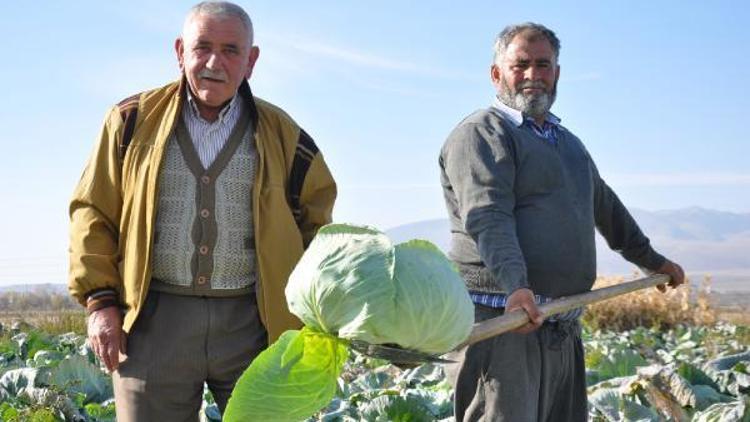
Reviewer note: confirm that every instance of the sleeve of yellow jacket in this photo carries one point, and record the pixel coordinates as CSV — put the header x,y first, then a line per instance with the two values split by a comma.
x,y
316,199
95,210
316,202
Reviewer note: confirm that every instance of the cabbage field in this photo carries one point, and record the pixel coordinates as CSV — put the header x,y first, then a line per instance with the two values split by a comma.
x,y
684,373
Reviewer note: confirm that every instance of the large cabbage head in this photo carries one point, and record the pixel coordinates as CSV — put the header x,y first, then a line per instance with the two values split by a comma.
x,y
353,282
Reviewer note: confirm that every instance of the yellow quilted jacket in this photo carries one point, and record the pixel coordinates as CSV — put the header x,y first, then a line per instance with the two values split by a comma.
x,y
113,208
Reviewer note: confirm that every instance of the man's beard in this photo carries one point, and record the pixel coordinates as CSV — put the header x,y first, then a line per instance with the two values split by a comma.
x,y
535,105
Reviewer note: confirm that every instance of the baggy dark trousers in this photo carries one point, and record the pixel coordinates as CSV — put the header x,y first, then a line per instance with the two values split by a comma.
x,y
538,376
177,344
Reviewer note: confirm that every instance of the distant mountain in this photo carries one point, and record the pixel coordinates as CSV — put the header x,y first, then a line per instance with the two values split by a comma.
x,y
436,231
693,223
703,241
42,288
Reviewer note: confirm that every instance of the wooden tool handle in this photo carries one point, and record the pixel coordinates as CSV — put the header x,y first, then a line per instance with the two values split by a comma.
x,y
508,322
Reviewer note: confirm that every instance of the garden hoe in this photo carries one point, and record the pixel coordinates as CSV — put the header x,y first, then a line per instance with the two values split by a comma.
x,y
508,322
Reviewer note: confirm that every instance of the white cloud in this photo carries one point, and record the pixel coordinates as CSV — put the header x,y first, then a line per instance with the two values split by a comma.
x,y
360,58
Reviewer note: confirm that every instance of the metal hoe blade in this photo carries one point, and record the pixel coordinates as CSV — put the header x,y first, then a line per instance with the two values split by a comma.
x,y
395,354
508,322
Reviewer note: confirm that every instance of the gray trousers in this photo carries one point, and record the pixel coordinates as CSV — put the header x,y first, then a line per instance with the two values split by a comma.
x,y
177,344
538,376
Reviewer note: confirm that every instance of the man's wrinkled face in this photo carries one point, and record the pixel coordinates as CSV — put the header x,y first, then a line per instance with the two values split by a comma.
x,y
215,55
526,80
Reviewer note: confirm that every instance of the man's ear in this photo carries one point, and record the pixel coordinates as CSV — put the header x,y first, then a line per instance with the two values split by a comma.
x,y
495,76
251,60
179,48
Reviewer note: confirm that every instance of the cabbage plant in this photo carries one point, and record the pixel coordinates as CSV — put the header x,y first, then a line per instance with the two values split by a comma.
x,y
352,283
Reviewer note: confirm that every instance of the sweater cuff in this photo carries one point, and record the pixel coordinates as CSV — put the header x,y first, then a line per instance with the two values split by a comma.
x,y
100,299
652,261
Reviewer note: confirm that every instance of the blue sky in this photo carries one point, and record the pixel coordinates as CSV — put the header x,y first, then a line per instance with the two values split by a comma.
x,y
658,91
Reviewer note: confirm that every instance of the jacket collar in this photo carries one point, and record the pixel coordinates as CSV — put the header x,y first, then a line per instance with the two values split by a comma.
x,y
247,95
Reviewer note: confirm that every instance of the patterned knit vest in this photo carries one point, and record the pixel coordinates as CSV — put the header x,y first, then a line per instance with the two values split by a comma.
x,y
204,242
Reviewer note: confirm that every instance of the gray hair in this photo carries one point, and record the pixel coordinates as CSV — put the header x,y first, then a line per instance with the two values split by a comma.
x,y
535,30
222,9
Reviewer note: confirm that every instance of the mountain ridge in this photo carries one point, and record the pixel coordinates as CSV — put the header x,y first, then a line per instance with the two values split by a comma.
x,y
705,242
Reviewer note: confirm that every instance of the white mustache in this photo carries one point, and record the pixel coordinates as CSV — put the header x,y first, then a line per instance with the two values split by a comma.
x,y
533,84
210,74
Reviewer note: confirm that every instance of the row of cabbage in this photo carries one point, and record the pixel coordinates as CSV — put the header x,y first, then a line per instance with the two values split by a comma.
x,y
51,378
688,373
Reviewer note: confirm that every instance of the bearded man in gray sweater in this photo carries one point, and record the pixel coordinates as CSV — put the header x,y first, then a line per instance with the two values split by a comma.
x,y
524,197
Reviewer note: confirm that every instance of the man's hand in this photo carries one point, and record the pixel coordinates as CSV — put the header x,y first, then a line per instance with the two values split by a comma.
x,y
106,335
524,299
674,271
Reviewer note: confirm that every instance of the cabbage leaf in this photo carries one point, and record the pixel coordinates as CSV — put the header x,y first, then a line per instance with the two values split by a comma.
x,y
290,380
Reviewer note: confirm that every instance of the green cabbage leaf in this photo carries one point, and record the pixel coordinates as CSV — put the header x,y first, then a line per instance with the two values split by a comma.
x,y
290,380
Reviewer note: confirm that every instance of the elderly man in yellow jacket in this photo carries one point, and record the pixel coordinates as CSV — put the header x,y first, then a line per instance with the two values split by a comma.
x,y
196,203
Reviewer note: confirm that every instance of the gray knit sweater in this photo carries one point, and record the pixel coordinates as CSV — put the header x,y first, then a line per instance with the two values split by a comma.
x,y
523,210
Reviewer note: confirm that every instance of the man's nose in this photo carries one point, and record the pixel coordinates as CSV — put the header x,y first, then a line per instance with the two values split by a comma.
x,y
213,61
531,73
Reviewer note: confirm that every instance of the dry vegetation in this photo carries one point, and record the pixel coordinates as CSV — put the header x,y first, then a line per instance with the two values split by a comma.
x,y
56,313
50,322
688,305
51,312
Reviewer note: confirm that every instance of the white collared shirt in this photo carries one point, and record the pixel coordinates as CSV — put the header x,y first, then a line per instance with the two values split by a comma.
x,y
547,131
210,137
